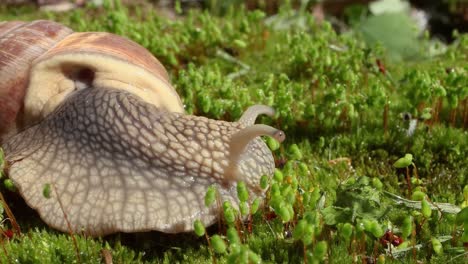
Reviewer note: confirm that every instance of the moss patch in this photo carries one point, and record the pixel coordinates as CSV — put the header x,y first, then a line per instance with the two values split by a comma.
x,y
349,114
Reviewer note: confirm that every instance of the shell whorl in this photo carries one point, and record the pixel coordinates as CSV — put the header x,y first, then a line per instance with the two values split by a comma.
x,y
43,62
20,44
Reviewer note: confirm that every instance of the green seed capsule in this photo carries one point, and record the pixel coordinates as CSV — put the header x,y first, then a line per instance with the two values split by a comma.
x,y
290,210
240,43
285,189
318,230
288,168
275,190
264,182
276,202
418,196
272,144
233,258
199,228
309,234
407,226
226,205
376,229
320,250
426,208
312,218
377,183
218,244
359,228
255,205
404,245
254,258
283,212
347,231
278,176
242,192
229,215
205,102
293,181
403,162
381,259
8,183
351,181
437,246
178,8
291,198
244,208
321,142
298,232
233,236
315,195
244,254
46,191
295,152
303,169
210,196
416,181
367,225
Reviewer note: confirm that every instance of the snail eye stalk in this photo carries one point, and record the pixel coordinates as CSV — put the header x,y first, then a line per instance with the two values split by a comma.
x,y
241,139
251,114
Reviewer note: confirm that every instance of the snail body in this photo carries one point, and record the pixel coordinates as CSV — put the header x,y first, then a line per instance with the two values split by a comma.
x,y
94,116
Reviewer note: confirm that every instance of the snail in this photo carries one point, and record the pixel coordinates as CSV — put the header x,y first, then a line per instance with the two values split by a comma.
x,y
93,117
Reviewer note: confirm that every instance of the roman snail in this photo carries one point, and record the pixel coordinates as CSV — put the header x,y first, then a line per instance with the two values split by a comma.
x,y
93,116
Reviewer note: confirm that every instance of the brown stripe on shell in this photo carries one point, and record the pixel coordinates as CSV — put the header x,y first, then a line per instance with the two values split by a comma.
x,y
20,44
7,26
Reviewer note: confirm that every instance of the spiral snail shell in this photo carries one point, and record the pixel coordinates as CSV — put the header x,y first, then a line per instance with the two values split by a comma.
x,y
94,116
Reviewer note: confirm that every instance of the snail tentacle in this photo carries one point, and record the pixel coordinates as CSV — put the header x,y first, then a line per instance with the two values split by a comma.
x,y
241,139
250,115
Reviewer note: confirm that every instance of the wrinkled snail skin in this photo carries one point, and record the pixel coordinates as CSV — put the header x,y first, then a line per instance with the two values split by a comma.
x,y
130,166
120,161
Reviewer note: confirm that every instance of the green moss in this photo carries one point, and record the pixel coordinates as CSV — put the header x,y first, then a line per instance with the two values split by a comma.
x,y
340,103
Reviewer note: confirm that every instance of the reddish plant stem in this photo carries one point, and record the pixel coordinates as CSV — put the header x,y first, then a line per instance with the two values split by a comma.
x,y
413,243
408,180
10,215
385,119
210,248
465,113
70,230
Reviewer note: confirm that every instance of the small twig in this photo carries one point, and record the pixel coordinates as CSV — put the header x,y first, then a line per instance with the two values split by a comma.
x,y
444,207
461,255
245,68
399,252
